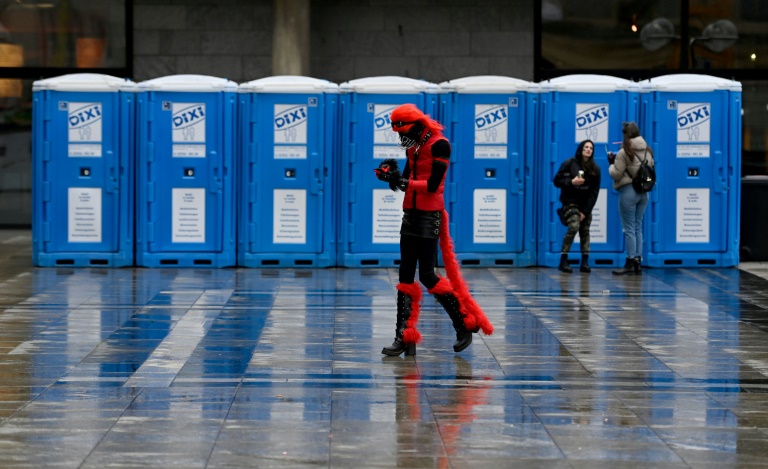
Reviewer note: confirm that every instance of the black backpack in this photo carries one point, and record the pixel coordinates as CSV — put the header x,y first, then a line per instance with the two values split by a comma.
x,y
645,178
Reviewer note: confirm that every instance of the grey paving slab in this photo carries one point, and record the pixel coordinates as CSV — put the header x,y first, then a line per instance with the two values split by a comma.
x,y
282,368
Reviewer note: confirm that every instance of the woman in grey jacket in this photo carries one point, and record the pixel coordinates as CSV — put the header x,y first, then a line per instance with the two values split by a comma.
x,y
623,167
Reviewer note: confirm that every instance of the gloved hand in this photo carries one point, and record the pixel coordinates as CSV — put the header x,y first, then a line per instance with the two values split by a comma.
x,y
390,173
611,157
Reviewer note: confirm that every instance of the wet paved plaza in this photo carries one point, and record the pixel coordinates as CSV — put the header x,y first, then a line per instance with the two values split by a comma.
x,y
224,368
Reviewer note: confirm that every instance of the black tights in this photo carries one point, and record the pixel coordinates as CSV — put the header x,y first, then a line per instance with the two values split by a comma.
x,y
413,250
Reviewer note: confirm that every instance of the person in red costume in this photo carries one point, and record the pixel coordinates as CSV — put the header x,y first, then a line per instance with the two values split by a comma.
x,y
425,224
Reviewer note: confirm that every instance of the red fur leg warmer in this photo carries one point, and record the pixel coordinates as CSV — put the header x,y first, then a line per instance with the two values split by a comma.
x,y
474,317
411,335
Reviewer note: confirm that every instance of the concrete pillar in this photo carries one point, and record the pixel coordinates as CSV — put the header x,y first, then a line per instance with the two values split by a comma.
x,y
290,49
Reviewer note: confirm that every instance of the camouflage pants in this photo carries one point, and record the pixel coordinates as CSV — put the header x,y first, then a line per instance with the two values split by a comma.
x,y
575,225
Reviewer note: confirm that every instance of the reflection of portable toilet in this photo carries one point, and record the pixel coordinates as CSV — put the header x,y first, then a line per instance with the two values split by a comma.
x,y
575,108
693,125
82,151
285,204
369,212
490,192
186,144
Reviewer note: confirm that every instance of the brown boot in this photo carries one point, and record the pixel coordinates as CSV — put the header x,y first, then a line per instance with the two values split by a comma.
x,y
629,268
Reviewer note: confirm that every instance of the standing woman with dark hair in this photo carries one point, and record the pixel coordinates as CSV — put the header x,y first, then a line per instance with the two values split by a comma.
x,y
623,167
579,182
425,224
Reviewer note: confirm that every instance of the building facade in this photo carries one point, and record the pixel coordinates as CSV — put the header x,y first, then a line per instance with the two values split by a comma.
x,y
341,40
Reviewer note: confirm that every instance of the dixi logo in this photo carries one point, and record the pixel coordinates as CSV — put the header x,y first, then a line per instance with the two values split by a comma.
x,y
691,117
188,116
381,120
85,116
591,117
491,118
290,117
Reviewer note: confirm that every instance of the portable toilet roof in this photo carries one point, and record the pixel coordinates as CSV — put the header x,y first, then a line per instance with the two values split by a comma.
x,y
84,82
689,82
488,84
389,85
288,84
587,83
188,83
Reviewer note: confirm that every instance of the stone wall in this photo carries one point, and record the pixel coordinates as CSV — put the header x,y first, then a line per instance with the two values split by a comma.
x,y
428,39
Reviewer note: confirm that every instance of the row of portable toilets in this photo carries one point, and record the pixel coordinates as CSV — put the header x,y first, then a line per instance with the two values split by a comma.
x,y
198,171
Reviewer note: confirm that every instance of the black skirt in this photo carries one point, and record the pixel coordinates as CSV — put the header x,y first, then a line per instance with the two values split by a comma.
x,y
421,224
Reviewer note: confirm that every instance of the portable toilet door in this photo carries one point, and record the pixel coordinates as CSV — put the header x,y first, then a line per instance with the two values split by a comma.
x,y
693,125
82,152
286,215
575,108
370,213
186,145
490,191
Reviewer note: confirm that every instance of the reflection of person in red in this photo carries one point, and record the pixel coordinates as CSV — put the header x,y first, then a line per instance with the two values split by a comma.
x,y
425,221
459,411
453,410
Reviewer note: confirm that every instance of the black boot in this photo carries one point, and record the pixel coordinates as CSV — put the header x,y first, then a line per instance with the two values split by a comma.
x,y
629,268
404,303
636,264
585,264
564,267
451,305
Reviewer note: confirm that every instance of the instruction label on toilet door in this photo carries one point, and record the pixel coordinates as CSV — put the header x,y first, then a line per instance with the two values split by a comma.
x,y
692,215
289,216
188,220
598,230
84,215
387,216
490,218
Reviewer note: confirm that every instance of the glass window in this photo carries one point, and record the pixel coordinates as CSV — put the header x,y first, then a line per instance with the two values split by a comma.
x,y
650,36
754,129
606,35
40,39
15,156
729,34
63,33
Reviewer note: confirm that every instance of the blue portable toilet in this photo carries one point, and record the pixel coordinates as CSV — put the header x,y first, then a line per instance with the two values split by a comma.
x,y
186,144
575,108
490,189
286,215
83,157
693,124
369,212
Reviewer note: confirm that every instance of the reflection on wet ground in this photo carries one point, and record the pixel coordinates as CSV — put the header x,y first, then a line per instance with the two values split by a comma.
x,y
282,368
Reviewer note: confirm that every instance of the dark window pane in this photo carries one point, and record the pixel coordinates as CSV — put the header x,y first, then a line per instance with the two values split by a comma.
x,y
755,132
712,49
64,33
16,155
605,34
